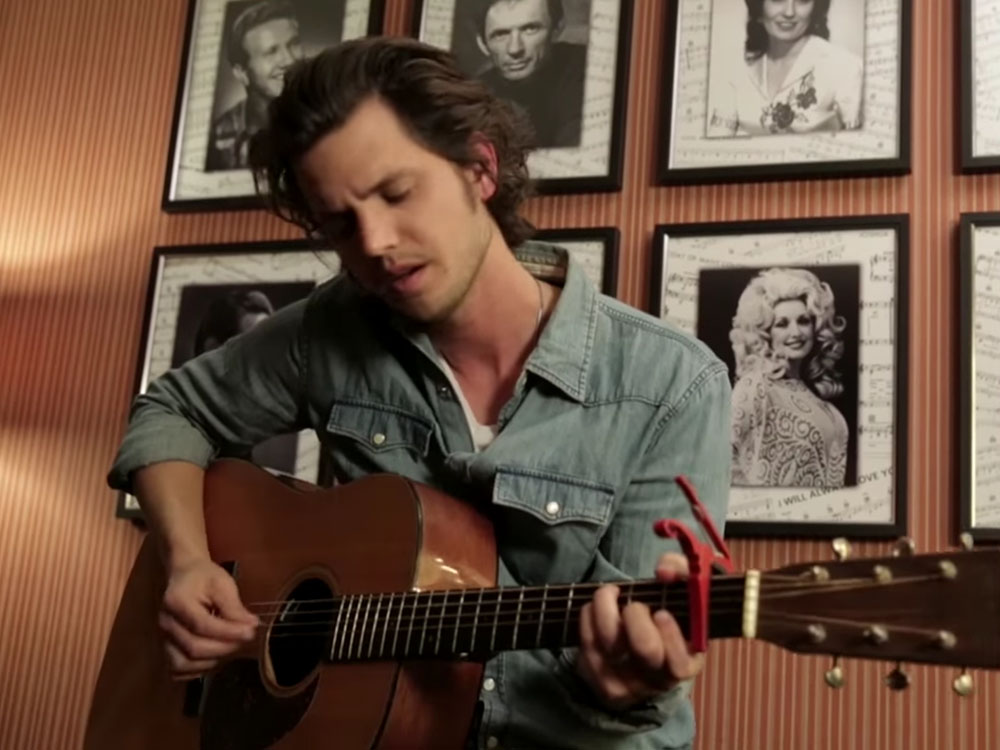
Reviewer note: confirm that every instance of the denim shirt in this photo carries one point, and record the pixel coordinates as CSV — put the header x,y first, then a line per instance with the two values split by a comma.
x,y
612,405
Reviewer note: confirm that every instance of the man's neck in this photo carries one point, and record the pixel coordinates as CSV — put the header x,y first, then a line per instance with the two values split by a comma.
x,y
488,339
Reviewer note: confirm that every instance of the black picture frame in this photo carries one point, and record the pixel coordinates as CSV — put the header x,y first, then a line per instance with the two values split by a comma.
x,y
976,269
609,239
742,166
545,163
746,246
185,281
189,185
969,66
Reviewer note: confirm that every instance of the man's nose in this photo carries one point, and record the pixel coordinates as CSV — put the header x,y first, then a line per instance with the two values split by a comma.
x,y
516,44
376,233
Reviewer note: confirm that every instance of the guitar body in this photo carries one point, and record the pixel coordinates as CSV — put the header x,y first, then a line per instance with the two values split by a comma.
x,y
294,544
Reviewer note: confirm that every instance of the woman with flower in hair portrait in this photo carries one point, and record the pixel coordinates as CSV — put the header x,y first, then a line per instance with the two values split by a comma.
x,y
787,343
792,78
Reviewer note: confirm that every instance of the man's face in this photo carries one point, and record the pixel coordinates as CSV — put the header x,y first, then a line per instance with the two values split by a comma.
x,y
409,226
517,36
271,47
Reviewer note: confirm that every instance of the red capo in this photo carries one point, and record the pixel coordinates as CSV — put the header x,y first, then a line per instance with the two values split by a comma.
x,y
701,559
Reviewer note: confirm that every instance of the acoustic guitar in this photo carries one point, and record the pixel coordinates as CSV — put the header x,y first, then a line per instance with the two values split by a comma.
x,y
379,606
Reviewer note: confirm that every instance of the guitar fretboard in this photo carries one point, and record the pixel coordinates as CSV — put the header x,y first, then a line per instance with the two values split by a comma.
x,y
476,623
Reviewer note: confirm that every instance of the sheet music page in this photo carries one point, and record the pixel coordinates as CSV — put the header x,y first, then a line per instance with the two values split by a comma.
x,y
985,77
593,156
190,181
702,34
590,256
986,366
180,271
871,500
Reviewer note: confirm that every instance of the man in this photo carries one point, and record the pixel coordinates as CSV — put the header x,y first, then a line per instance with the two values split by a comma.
x,y
262,43
542,76
565,416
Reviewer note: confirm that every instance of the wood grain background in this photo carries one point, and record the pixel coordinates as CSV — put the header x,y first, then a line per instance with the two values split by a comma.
x,y
85,111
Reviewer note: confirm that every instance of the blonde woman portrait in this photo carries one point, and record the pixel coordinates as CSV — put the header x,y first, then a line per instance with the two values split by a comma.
x,y
790,348
790,77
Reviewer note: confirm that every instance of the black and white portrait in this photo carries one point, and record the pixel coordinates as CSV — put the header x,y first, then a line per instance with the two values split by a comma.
x,y
562,65
785,88
789,336
785,66
235,56
211,314
810,318
261,39
533,54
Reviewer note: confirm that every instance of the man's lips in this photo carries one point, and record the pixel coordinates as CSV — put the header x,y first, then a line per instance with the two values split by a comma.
x,y
402,279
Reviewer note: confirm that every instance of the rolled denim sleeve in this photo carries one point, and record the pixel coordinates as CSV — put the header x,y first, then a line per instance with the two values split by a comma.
x,y
691,439
223,401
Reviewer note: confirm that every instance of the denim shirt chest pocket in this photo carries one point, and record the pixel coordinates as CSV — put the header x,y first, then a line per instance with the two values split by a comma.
x,y
373,436
548,525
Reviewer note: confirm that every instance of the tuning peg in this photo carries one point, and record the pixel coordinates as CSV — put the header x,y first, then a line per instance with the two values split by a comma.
x,y
966,541
963,684
904,547
834,676
897,679
841,548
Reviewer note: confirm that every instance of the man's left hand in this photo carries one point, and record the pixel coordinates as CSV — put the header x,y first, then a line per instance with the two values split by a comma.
x,y
634,655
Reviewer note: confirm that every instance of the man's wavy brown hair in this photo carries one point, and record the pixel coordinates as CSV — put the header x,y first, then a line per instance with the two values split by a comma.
x,y
442,109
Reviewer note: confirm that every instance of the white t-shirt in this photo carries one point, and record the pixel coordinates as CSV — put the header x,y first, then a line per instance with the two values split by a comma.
x,y
482,434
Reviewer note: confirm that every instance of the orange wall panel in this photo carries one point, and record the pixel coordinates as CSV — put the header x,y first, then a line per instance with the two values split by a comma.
x,y
86,112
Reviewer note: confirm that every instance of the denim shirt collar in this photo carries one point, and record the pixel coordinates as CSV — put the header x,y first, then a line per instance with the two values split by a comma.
x,y
562,355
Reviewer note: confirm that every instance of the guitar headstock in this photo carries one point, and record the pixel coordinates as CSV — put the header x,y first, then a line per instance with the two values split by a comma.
x,y
937,608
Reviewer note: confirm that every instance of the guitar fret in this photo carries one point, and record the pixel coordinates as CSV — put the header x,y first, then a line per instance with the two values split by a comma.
x,y
475,622
496,619
517,619
354,626
569,607
409,629
336,627
541,616
399,622
364,624
385,630
458,620
427,617
347,626
371,639
437,642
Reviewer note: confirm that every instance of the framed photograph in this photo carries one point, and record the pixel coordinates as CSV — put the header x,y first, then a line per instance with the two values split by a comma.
x,y
758,89
810,316
980,66
979,382
595,249
200,296
562,63
233,63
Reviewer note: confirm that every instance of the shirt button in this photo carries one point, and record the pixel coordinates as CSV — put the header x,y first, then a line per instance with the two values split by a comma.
x,y
444,391
378,438
552,508
492,742
489,684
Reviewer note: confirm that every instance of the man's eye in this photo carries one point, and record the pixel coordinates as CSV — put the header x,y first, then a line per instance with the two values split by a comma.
x,y
396,197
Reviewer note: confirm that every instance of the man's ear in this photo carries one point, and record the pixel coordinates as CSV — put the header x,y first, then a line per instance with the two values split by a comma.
x,y
482,46
485,172
241,75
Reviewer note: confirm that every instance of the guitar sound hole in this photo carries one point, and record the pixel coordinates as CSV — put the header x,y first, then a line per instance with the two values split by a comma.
x,y
300,636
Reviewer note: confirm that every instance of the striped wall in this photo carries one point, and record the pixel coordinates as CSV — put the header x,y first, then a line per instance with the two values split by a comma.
x,y
85,110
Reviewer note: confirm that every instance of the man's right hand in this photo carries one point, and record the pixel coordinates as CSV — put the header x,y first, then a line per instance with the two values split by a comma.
x,y
202,618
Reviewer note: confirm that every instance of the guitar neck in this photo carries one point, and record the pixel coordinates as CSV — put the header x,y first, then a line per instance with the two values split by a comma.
x,y
477,623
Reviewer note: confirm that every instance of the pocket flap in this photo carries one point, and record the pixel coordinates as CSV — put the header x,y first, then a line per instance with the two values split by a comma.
x,y
553,498
380,427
